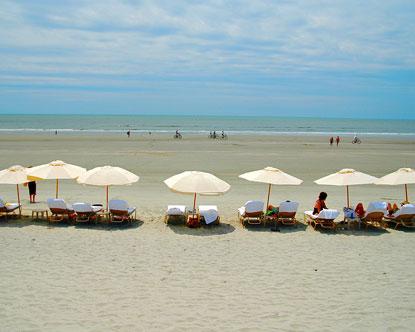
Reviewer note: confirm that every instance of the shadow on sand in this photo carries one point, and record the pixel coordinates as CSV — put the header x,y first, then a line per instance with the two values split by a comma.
x,y
271,227
25,221
220,229
370,231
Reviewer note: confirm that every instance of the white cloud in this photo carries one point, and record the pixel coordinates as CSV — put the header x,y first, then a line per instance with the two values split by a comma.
x,y
210,38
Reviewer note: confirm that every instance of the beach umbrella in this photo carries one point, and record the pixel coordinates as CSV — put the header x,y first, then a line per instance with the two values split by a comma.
x,y
402,176
271,176
55,170
194,182
107,176
14,175
346,177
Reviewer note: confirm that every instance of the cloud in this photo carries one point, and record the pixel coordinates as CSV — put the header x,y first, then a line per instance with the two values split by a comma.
x,y
103,43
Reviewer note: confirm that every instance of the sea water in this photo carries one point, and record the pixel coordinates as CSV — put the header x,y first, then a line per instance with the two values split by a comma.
x,y
203,125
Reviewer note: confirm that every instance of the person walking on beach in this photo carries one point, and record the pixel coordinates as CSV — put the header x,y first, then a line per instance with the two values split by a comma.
x,y
331,140
128,134
337,140
320,203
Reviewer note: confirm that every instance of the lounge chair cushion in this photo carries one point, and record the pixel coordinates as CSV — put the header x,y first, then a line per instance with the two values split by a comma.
x,y
251,207
118,204
59,203
209,213
328,214
176,210
12,206
8,206
86,208
404,210
288,206
376,207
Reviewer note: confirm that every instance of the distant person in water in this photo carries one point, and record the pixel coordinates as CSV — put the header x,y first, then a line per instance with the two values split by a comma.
x,y
56,132
331,140
223,134
128,134
337,140
320,203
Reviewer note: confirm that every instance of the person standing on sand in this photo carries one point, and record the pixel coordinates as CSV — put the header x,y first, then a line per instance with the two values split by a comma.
x,y
331,140
128,134
337,140
32,190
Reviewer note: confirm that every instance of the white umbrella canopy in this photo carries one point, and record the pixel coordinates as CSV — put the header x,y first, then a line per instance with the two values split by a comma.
x,y
14,175
194,182
55,170
108,176
402,176
272,176
346,177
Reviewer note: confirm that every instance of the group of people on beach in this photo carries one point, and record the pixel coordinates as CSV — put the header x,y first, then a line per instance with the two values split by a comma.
x,y
356,140
332,140
177,134
216,135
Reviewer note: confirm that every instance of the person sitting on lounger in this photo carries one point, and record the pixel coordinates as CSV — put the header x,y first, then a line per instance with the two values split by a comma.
x,y
320,203
360,210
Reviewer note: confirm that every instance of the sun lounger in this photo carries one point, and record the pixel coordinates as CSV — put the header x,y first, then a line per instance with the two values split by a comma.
x,y
325,219
374,215
175,212
405,216
86,212
8,208
209,214
286,213
59,209
252,212
120,211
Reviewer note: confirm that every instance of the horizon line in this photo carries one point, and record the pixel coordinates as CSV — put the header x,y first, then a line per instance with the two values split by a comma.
x,y
209,115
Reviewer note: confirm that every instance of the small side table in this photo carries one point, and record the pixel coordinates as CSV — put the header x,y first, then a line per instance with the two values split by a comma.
x,y
352,222
38,214
104,215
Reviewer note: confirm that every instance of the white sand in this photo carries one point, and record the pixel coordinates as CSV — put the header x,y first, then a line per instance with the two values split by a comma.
x,y
155,277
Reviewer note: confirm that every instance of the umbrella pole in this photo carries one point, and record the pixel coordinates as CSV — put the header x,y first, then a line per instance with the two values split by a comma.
x,y
194,205
18,200
107,197
57,187
347,193
406,193
269,193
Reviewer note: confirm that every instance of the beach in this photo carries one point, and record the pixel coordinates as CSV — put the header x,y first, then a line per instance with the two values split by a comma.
x,y
155,277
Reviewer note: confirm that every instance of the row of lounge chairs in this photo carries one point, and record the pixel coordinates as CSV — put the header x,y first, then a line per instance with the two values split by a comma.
x,y
205,214
376,215
250,213
85,212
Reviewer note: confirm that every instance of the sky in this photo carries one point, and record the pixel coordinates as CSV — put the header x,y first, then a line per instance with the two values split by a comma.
x,y
272,58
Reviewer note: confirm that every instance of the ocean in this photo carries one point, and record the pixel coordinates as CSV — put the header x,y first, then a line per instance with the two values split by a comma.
x,y
203,125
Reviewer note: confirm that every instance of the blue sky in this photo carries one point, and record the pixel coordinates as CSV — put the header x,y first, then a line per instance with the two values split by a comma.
x,y
292,58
